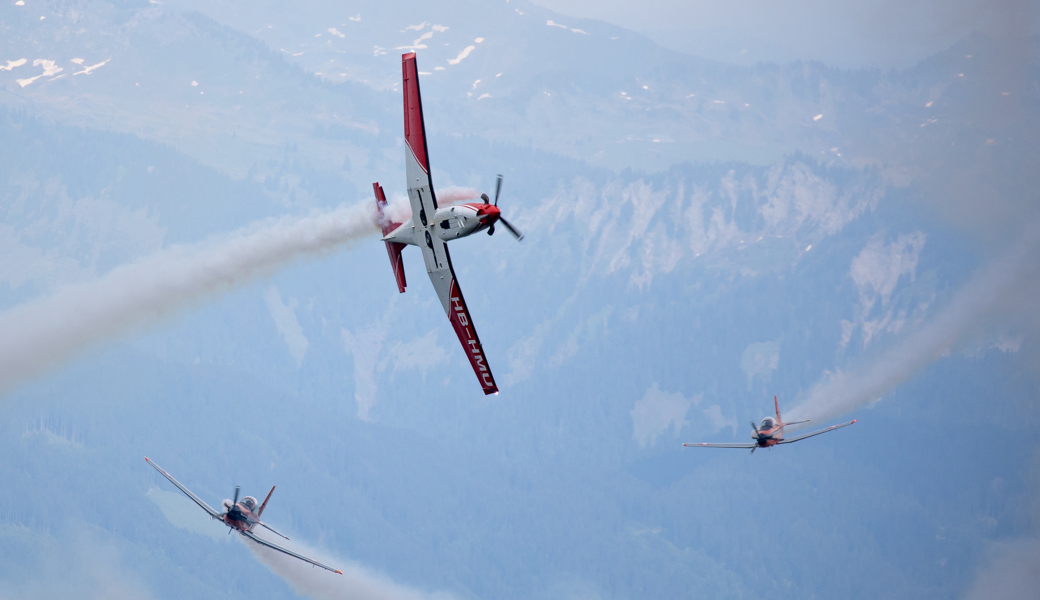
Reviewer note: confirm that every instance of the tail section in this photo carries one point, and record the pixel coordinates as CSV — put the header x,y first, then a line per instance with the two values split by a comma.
x,y
780,421
392,248
264,505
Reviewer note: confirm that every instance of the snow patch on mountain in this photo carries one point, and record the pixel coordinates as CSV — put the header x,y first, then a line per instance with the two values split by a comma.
x,y
650,228
49,70
11,64
877,271
284,315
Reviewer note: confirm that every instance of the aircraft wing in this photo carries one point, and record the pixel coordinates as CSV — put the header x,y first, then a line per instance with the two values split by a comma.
x,y
273,546
817,432
424,205
751,445
458,313
196,499
416,163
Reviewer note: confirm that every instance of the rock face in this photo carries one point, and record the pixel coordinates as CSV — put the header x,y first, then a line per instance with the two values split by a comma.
x,y
699,237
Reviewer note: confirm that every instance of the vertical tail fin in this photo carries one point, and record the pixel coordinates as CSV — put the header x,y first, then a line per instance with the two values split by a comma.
x,y
264,505
393,249
776,403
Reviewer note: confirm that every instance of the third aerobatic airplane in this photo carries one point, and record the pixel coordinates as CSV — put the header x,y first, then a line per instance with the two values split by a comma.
x,y
771,432
432,226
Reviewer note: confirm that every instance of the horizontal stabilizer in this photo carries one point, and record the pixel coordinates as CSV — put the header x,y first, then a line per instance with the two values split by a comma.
x,y
817,432
393,249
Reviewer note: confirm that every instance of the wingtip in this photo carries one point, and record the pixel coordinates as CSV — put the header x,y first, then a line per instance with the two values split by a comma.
x,y
146,459
340,572
853,421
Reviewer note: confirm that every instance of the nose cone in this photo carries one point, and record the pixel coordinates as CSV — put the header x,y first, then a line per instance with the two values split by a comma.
x,y
489,214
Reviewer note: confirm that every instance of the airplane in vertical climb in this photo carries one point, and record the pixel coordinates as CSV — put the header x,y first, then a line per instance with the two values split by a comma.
x,y
431,227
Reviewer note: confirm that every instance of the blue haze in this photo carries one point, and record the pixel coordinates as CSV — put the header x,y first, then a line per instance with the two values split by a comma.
x,y
618,298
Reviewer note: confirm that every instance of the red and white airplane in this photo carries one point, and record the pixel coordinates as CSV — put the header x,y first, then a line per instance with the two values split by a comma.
x,y
242,517
432,227
771,432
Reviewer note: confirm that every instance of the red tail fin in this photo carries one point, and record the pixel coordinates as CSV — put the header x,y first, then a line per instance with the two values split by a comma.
x,y
392,248
264,505
776,403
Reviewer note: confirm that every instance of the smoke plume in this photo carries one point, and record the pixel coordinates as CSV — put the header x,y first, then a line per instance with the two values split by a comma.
x,y
356,582
454,195
399,210
46,332
1005,290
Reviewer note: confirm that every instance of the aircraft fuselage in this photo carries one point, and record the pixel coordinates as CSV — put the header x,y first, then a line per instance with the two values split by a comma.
x,y
239,517
769,433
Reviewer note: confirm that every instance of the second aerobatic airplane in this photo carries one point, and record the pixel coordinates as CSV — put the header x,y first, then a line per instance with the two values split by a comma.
x,y
432,227
771,432
242,517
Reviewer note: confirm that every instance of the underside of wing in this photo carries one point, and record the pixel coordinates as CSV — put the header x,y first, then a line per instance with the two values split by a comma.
x,y
719,445
273,546
458,313
417,163
817,432
187,492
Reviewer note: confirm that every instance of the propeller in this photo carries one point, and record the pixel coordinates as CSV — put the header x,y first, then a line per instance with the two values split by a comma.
x,y
234,503
758,436
491,230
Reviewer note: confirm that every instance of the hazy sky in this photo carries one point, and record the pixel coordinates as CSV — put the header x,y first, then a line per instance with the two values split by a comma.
x,y
879,33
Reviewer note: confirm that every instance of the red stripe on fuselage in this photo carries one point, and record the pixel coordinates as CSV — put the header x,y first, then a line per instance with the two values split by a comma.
x,y
414,128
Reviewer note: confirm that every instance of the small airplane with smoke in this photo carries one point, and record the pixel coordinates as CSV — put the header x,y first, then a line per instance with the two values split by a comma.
x,y
242,517
770,432
431,226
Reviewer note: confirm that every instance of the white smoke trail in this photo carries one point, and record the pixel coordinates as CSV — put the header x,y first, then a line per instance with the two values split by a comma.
x,y
46,332
356,582
1006,289
454,195
398,210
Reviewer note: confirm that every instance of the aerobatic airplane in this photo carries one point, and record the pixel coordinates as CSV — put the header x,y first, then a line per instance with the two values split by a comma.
x,y
242,517
432,227
771,432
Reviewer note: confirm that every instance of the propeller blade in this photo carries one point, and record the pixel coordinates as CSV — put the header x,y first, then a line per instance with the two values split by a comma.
x,y
491,230
755,427
519,236
498,188
235,501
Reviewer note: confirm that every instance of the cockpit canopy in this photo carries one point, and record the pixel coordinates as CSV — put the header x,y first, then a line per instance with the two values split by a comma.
x,y
249,502
767,423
